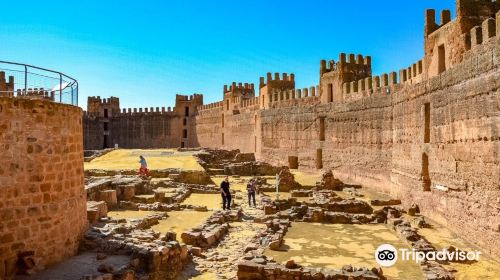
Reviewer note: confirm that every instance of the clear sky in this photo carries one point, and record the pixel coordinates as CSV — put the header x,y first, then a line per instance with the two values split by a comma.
x,y
145,52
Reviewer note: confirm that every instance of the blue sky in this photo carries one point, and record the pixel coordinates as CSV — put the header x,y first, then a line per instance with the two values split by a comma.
x,y
145,52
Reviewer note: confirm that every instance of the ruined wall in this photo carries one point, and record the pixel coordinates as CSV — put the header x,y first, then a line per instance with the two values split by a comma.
x,y
42,199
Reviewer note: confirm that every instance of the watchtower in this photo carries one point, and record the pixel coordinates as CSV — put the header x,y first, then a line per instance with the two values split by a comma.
x,y
6,87
104,108
270,85
185,109
235,93
446,42
348,69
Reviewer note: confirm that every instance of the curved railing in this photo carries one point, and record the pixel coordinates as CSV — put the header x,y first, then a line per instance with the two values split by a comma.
x,y
27,81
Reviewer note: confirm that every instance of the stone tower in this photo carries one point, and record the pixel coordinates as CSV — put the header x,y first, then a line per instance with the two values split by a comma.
x,y
269,85
347,69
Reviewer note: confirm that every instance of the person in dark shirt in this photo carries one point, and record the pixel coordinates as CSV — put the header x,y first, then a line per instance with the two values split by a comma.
x,y
251,193
226,194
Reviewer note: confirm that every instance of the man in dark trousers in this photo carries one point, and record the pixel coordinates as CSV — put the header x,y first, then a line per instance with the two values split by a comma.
x,y
251,193
226,194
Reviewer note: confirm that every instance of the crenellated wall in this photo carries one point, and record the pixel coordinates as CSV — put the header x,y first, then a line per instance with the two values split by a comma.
x,y
106,126
428,134
433,142
426,139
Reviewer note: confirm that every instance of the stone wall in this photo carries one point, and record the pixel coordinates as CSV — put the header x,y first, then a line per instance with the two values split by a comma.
x,y
427,138
380,141
429,135
42,198
106,125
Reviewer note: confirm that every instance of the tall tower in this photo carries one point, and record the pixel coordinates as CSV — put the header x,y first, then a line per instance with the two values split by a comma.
x,y
347,69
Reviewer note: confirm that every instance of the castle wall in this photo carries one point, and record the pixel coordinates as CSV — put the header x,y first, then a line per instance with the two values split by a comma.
x,y
42,199
220,128
146,131
379,140
239,132
463,147
92,132
208,125
427,134
106,126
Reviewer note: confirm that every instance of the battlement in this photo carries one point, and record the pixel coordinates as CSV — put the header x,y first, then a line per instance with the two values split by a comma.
x,y
366,87
249,102
98,100
36,93
193,97
412,74
431,23
242,88
480,34
209,106
282,95
477,9
6,87
147,111
285,82
347,63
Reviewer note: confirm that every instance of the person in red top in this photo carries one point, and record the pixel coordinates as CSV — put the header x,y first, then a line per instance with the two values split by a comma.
x,y
143,170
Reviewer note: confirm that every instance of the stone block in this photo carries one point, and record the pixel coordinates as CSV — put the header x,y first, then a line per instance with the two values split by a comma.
x,y
109,196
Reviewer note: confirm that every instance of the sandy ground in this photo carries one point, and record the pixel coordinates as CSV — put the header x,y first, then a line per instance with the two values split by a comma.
x,y
441,237
221,261
130,214
156,159
333,246
180,221
307,178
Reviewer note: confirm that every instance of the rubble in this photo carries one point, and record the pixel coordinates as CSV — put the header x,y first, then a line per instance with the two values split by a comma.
x,y
260,268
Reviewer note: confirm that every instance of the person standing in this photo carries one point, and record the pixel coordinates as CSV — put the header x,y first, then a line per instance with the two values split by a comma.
x,y
251,193
143,170
226,194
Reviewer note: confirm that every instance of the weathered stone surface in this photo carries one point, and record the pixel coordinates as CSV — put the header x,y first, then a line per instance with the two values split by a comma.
x,y
244,157
387,202
252,168
287,180
329,182
209,233
96,210
43,206
260,268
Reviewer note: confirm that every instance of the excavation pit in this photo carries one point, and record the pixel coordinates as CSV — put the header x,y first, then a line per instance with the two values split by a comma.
x,y
335,245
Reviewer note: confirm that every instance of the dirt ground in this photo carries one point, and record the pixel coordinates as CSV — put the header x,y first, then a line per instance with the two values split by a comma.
x,y
122,159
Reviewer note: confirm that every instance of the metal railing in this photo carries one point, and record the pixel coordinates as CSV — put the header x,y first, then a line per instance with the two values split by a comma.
x,y
28,81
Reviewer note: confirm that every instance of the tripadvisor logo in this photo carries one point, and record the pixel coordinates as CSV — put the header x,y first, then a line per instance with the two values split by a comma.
x,y
386,255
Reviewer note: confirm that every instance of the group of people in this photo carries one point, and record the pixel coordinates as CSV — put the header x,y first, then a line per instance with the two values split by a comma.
x,y
252,190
